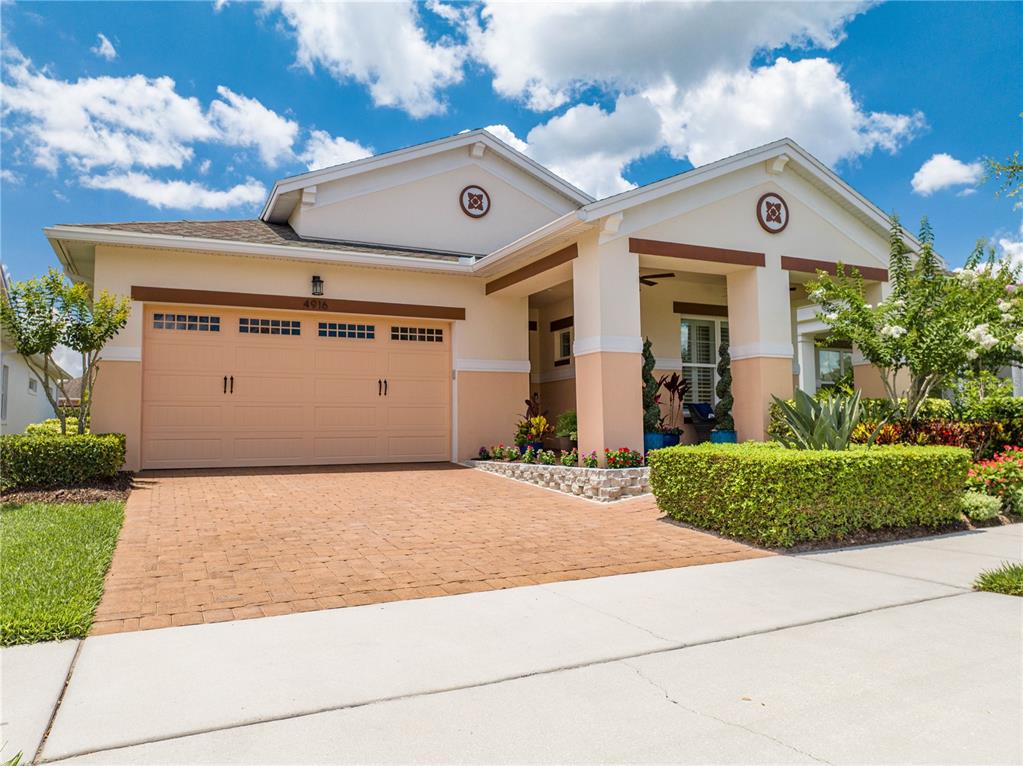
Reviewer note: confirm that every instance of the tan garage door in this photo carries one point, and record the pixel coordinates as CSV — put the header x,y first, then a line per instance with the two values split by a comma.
x,y
251,387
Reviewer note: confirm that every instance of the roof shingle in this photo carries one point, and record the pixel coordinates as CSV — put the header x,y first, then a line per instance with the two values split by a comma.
x,y
256,231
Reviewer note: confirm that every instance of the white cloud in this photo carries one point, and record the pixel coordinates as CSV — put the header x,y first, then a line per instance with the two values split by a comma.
x,y
244,121
379,45
101,121
589,147
943,171
70,361
545,53
323,150
204,166
805,100
1013,248
104,48
9,176
182,195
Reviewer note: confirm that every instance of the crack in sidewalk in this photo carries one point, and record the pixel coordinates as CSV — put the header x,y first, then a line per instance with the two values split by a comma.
x,y
724,721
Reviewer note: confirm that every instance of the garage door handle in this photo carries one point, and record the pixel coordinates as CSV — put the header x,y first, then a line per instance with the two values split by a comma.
x,y
225,384
232,384
380,387
385,387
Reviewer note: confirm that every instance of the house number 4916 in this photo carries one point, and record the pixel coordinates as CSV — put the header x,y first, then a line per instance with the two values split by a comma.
x,y
313,303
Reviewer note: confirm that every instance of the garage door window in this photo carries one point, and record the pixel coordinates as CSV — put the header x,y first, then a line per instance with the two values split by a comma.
x,y
343,330
269,326
424,334
194,322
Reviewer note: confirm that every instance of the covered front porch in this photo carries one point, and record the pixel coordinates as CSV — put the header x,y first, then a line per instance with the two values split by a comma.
x,y
590,313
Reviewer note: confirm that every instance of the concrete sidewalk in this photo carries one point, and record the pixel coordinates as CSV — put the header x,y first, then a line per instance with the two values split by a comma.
x,y
871,654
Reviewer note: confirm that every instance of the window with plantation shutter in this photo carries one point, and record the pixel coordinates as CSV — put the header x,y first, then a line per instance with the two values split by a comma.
x,y
700,341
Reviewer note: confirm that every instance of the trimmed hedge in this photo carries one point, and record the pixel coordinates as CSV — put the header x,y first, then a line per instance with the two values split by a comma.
x,y
43,461
779,497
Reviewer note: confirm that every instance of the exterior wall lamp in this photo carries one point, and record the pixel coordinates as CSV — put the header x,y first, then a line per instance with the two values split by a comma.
x,y
317,286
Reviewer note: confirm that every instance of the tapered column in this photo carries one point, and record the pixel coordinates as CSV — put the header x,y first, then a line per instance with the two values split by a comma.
x,y
760,338
608,346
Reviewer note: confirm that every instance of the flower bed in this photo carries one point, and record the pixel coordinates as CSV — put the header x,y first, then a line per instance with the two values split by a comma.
x,y
603,484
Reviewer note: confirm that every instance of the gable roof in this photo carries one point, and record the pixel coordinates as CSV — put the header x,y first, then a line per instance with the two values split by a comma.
x,y
284,195
791,155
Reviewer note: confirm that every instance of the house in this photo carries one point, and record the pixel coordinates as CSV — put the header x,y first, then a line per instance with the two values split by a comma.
x,y
72,393
402,307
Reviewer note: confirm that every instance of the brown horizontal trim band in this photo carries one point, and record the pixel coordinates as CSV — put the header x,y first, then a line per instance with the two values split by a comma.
x,y
546,263
706,309
561,362
533,325
695,252
811,266
562,324
293,303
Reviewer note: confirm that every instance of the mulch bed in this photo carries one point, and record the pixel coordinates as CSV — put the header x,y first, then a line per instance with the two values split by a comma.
x,y
92,492
867,537
876,536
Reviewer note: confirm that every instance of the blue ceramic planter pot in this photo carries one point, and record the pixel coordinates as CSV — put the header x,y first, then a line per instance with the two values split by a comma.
x,y
723,437
652,441
671,440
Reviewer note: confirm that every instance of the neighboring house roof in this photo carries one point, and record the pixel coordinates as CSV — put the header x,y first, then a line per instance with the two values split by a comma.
x,y
264,238
286,192
73,388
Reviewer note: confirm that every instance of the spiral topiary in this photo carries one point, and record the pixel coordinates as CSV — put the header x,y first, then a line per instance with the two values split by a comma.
x,y
723,409
651,409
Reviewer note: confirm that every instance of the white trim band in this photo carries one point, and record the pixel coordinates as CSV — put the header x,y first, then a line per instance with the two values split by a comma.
x,y
753,350
121,354
670,364
622,344
492,365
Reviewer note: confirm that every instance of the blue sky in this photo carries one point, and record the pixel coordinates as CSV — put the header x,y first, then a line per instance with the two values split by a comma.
x,y
192,109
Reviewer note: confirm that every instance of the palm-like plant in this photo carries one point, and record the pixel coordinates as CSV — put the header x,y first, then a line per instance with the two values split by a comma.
x,y
825,424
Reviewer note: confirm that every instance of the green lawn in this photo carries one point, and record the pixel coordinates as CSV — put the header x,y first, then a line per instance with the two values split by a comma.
x,y
1007,579
52,562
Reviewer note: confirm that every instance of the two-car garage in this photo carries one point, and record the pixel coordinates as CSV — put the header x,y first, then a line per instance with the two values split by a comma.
x,y
227,386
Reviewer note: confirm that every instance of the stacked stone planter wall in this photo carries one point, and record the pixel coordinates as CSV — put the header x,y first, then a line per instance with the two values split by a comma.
x,y
604,484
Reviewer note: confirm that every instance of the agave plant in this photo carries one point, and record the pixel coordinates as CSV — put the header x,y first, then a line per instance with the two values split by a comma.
x,y
825,424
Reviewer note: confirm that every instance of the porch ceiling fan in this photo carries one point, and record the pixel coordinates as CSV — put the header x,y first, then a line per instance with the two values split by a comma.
x,y
651,279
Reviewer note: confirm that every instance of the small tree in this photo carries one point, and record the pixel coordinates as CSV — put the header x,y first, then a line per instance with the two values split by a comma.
x,y
933,325
47,311
651,409
723,389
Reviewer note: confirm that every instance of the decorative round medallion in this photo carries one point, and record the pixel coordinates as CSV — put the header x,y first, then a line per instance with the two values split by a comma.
x,y
772,213
475,201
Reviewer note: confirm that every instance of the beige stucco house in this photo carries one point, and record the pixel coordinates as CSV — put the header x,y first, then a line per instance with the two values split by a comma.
x,y
402,307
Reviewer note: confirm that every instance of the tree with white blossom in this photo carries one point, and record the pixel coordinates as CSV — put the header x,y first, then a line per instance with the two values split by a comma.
x,y
934,324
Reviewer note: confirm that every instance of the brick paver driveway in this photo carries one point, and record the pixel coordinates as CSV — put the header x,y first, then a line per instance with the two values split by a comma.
x,y
221,545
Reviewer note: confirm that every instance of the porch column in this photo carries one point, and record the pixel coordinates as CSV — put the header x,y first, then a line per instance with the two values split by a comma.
x,y
760,338
608,346
866,377
807,364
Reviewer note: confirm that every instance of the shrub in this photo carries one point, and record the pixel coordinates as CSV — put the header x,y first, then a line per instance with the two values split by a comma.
x,y
1000,477
52,427
774,496
623,458
546,457
591,461
568,424
983,439
57,461
484,454
569,459
872,411
819,423
980,507
529,456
